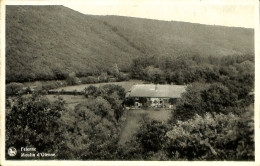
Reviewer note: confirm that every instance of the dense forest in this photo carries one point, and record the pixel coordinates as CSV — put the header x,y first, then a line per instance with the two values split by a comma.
x,y
50,42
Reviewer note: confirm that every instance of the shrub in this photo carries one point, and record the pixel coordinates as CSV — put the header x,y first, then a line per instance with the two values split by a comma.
x,y
151,136
50,86
72,79
123,77
59,74
28,90
90,91
103,77
13,88
89,80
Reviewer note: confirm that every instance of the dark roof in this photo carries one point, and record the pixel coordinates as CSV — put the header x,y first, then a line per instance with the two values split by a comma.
x,y
157,91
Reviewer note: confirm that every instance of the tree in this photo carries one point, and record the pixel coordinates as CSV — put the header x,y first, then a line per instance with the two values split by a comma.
x,y
139,64
154,75
72,79
114,94
34,122
115,70
101,107
111,88
90,91
89,80
147,143
13,88
218,98
58,73
202,98
212,137
91,132
151,136
116,104
191,103
103,77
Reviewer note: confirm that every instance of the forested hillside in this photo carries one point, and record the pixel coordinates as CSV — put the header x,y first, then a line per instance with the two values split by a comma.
x,y
48,42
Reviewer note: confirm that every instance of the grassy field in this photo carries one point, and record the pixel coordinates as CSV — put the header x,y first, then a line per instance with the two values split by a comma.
x,y
125,84
70,100
135,119
43,83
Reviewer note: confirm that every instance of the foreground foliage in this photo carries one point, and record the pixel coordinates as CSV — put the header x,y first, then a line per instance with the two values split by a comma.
x,y
34,122
208,137
90,131
213,137
212,121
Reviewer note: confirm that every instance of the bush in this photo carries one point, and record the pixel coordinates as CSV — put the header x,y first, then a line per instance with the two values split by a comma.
x,y
59,74
72,79
28,90
103,77
13,88
49,86
151,136
123,77
90,91
89,80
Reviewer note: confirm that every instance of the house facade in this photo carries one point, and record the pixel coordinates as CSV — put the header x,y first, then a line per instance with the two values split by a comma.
x,y
155,95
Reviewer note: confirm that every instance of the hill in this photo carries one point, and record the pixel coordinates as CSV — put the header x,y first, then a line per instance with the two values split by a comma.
x,y
46,42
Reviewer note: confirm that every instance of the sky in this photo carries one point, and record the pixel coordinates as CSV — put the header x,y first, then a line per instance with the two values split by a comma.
x,y
231,13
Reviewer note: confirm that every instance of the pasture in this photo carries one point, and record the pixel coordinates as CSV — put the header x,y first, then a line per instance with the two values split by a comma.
x,y
70,100
125,84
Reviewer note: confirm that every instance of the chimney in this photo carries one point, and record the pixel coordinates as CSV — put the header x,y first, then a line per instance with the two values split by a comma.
x,y
156,86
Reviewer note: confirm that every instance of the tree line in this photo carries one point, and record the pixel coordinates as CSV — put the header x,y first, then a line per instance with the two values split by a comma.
x,y
212,121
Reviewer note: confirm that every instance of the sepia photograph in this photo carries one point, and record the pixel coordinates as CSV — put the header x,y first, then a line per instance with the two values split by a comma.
x,y
130,81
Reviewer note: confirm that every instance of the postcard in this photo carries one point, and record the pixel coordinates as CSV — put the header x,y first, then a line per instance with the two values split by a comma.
x,y
129,82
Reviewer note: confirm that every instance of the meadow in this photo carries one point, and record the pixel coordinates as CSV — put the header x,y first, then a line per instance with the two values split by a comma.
x,y
70,100
79,88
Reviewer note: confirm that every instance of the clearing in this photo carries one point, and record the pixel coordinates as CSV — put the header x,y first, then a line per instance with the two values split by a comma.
x,y
125,84
70,100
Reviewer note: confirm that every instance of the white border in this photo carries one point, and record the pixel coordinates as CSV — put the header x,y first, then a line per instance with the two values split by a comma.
x,y
2,82
257,82
108,163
